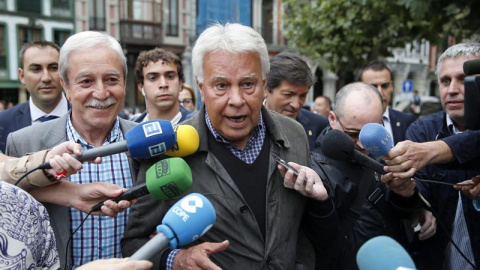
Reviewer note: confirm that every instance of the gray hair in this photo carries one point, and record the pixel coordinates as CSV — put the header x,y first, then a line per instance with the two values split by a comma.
x,y
345,91
88,40
469,50
231,38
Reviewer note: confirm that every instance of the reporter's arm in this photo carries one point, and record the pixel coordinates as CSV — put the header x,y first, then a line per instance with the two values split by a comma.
x,y
83,196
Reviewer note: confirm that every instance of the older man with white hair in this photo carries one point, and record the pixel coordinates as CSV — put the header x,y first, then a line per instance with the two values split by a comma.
x,y
93,71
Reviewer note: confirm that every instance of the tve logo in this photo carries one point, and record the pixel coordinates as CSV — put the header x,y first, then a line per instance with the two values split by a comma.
x,y
152,129
157,149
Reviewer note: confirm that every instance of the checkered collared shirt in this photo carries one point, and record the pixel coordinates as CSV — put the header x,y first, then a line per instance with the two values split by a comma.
x,y
99,237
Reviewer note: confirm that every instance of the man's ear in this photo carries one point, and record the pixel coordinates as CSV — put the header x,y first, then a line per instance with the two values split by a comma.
x,y
65,89
21,75
331,118
200,88
140,88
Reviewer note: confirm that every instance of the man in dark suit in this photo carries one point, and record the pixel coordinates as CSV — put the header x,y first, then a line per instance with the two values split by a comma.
x,y
159,75
38,71
288,83
379,75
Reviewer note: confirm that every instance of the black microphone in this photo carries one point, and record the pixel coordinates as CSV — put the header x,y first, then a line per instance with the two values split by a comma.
x,y
471,67
337,145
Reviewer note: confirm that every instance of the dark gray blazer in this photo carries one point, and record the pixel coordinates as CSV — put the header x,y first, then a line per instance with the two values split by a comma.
x,y
43,136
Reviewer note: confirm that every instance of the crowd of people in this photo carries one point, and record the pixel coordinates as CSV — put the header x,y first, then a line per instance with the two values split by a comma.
x,y
314,216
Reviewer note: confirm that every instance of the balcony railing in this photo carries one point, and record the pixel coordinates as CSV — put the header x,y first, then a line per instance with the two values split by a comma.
x,y
141,32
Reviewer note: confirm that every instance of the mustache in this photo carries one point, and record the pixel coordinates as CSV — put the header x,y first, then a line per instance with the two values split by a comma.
x,y
93,102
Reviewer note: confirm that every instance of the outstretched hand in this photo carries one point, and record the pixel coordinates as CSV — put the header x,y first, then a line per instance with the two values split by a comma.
x,y
197,257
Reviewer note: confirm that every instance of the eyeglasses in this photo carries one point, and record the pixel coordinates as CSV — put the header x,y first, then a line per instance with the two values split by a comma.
x,y
186,101
382,85
353,133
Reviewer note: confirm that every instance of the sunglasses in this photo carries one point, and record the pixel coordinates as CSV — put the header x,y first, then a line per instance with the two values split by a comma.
x,y
353,133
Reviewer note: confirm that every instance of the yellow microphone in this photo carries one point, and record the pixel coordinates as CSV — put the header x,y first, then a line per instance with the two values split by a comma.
x,y
187,141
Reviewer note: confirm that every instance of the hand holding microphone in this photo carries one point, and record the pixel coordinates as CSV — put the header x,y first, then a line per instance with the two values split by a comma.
x,y
166,179
148,139
186,221
339,146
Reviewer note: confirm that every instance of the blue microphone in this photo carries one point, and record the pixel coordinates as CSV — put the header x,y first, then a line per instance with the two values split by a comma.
x,y
376,139
383,253
146,140
185,222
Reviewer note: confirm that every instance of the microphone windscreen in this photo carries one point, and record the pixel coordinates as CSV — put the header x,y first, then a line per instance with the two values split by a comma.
x,y
168,178
189,219
187,141
383,253
376,139
471,67
150,138
337,145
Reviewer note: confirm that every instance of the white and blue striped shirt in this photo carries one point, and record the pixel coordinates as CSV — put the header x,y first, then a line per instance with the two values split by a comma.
x,y
99,237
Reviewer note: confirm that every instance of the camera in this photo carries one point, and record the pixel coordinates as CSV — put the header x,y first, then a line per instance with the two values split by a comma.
x,y
472,94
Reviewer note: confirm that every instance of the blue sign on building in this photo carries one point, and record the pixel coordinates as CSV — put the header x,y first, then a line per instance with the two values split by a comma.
x,y
407,86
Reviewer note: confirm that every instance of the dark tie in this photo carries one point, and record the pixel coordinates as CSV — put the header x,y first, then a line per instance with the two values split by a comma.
x,y
47,118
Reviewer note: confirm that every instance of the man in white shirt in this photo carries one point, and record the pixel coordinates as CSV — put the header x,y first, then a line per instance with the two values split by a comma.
x,y
38,71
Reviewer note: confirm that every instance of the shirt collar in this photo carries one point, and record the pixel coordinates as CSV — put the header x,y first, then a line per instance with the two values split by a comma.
x,y
260,128
60,110
451,125
114,136
386,115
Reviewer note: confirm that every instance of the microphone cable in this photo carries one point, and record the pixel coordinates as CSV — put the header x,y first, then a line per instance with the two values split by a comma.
x,y
444,228
40,167
71,237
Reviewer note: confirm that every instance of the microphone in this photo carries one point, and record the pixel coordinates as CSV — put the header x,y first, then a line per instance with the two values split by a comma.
x,y
376,139
337,145
383,253
148,139
187,141
471,67
186,221
166,179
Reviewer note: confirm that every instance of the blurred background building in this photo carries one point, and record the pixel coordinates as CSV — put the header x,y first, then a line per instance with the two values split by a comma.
x,y
174,24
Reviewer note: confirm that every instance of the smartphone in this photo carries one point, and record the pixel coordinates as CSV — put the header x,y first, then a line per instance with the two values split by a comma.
x,y
284,164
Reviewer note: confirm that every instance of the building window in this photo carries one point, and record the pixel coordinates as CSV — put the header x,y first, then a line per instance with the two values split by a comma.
x,y
60,36
171,17
29,6
97,15
267,21
27,34
3,53
3,4
61,8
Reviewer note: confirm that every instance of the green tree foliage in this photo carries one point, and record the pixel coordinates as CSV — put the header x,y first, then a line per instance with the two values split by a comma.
x,y
343,34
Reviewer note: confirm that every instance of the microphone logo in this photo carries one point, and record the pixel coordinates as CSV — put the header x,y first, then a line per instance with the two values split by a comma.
x,y
157,149
171,190
152,129
191,203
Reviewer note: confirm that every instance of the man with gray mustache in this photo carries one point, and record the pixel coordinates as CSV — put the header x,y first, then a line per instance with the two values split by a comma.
x,y
93,72
38,71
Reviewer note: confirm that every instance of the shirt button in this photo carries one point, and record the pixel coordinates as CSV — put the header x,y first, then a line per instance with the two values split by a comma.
x,y
243,209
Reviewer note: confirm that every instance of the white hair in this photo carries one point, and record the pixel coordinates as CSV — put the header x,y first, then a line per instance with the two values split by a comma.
x,y
469,50
88,40
231,38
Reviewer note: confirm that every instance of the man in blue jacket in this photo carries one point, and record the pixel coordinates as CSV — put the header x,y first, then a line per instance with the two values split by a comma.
x,y
452,208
